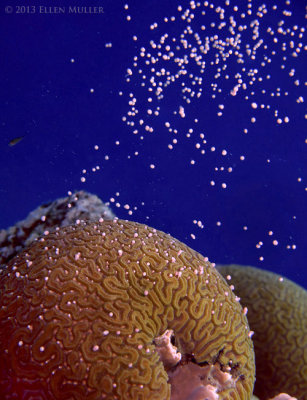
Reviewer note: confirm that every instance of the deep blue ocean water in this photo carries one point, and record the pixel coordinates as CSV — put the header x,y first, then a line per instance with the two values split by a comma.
x,y
224,173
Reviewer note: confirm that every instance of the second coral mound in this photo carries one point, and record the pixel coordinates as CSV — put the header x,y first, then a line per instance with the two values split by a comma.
x,y
277,313
84,312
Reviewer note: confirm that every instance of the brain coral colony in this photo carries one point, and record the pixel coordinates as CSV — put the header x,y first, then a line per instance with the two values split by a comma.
x,y
118,310
277,314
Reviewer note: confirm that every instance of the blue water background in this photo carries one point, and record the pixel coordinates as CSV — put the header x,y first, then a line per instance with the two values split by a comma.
x,y
46,98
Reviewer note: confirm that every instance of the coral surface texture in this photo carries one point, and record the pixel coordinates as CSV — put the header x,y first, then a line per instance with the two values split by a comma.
x,y
118,310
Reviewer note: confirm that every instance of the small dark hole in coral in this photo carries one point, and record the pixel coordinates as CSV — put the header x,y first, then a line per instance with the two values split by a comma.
x,y
235,367
216,358
235,371
202,364
173,340
189,358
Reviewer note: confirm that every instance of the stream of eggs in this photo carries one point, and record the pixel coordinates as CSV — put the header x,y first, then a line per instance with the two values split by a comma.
x,y
208,66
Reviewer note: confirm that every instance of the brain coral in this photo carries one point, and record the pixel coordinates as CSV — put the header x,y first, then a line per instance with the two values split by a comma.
x,y
277,314
118,310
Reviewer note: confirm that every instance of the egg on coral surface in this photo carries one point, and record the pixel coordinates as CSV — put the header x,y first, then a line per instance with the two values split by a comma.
x,y
86,310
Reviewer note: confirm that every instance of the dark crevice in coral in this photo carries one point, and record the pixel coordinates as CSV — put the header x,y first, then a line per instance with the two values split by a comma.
x,y
216,358
186,358
235,371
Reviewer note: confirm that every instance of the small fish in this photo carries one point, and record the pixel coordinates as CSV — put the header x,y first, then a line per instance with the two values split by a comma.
x,y
14,141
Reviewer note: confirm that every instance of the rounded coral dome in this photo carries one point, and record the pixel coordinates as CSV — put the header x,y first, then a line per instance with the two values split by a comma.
x,y
277,314
119,310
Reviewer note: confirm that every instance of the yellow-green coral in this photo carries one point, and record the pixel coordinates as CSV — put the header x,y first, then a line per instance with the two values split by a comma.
x,y
82,307
277,313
